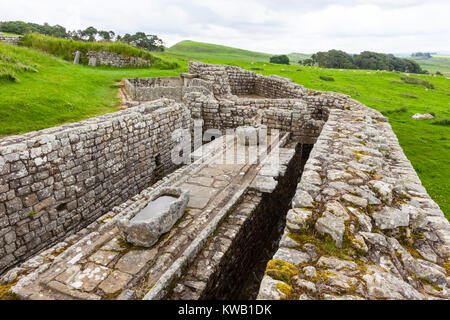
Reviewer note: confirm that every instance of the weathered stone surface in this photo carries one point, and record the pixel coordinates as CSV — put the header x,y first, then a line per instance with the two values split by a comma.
x,y
269,290
292,256
297,219
332,225
135,260
302,199
391,218
115,282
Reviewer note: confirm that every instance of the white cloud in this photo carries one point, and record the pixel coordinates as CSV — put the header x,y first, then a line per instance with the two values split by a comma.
x,y
272,26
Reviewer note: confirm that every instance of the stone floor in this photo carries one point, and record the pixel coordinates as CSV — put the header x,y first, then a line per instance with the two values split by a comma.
x,y
100,265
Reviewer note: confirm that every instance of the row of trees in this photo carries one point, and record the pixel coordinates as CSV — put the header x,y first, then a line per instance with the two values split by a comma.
x,y
365,60
139,39
422,55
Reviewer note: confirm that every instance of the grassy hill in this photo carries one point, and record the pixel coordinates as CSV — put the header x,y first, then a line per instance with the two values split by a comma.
x,y
439,63
201,50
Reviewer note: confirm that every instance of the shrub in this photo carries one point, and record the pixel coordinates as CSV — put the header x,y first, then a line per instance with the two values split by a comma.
x,y
397,110
409,95
327,78
418,82
438,73
442,122
280,59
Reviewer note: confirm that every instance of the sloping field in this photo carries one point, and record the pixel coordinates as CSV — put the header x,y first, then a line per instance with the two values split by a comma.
x,y
200,50
38,90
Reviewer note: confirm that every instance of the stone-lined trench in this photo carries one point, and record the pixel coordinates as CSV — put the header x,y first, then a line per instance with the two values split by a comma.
x,y
241,268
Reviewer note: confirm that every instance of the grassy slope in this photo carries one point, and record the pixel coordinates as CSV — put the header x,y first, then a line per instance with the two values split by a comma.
x,y
59,92
63,92
436,63
200,50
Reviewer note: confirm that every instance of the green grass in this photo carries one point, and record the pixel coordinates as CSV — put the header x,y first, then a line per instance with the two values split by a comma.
x,y
11,66
61,92
64,48
9,34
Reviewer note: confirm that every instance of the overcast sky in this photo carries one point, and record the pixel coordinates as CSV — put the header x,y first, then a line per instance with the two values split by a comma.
x,y
273,26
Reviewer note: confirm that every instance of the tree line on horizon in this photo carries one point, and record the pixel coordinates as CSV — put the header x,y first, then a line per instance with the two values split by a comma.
x,y
337,59
141,40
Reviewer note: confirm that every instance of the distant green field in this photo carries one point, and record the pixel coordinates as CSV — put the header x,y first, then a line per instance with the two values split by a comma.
x,y
294,57
439,63
61,92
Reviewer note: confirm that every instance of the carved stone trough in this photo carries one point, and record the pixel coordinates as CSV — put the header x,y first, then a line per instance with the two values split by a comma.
x,y
250,136
144,226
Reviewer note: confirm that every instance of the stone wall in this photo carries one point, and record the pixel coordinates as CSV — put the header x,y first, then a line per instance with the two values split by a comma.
x,y
117,60
289,115
242,82
57,180
10,39
149,89
361,224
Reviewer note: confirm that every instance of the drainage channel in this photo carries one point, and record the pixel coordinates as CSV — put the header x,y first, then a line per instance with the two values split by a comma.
x,y
249,289
243,244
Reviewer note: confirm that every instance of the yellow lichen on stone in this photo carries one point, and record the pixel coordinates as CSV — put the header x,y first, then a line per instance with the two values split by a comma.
x,y
284,289
5,294
281,270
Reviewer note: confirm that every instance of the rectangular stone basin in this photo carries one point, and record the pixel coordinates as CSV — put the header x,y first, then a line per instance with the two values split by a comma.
x,y
143,226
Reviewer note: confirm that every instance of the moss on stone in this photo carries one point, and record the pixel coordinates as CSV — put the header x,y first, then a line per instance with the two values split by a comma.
x,y
6,294
281,270
285,289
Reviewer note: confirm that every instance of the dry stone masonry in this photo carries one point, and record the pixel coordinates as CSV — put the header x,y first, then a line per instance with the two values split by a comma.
x,y
116,60
333,210
57,180
10,39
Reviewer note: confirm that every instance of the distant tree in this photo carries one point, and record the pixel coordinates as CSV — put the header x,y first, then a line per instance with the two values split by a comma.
x,y
280,59
424,55
438,73
88,34
106,35
145,41
306,62
372,61
20,27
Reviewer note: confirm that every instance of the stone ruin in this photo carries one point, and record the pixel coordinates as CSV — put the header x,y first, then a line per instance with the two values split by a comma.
x,y
10,39
330,209
115,60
